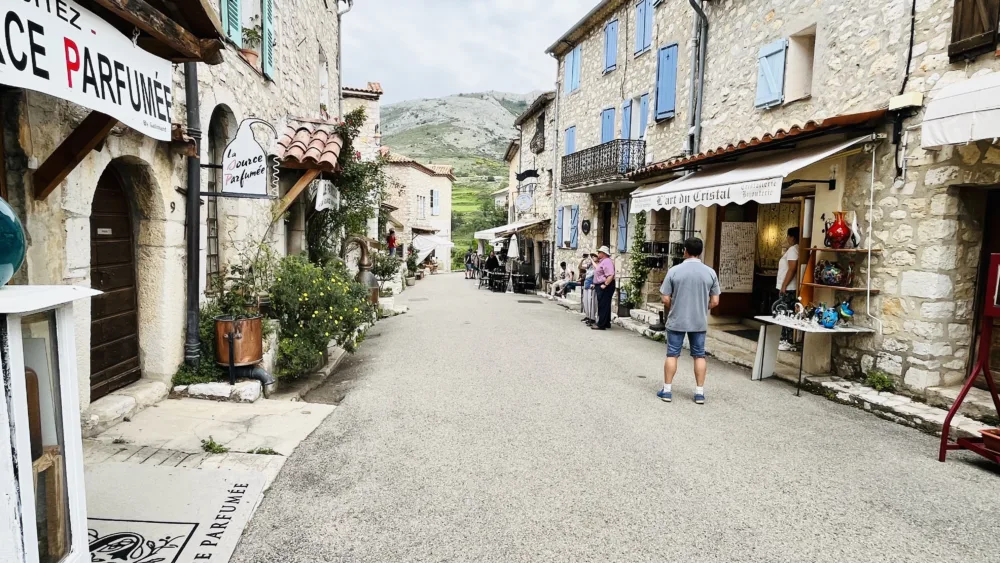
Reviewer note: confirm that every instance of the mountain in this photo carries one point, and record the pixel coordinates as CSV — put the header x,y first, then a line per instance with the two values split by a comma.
x,y
457,129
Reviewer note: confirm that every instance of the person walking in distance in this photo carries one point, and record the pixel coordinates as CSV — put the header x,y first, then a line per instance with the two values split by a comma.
x,y
689,291
391,244
604,279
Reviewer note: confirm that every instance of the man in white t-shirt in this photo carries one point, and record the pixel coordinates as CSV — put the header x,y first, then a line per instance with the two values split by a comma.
x,y
788,282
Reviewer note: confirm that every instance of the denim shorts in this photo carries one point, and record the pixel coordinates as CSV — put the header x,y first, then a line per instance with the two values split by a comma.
x,y
675,340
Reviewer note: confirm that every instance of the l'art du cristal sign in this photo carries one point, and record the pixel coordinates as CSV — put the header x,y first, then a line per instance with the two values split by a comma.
x,y
61,49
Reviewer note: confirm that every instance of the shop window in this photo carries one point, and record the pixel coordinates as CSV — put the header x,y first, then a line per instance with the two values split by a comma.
x,y
799,69
45,425
973,28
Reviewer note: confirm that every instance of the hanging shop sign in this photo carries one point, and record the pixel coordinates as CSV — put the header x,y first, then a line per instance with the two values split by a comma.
x,y
59,48
524,202
327,196
244,164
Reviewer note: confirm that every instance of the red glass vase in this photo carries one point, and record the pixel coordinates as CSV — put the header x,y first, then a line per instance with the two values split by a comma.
x,y
837,231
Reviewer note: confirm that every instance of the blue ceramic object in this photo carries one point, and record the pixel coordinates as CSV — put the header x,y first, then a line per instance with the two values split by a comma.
x,y
830,318
12,243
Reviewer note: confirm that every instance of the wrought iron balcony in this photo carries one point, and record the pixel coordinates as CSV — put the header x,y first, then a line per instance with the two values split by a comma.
x,y
604,164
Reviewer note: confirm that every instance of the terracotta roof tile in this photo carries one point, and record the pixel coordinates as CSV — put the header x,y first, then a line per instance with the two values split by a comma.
x,y
374,89
430,169
310,144
747,145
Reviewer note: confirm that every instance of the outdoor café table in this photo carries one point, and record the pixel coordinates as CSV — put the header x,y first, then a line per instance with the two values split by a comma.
x,y
770,336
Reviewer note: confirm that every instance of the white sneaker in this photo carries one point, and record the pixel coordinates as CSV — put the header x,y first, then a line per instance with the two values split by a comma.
x,y
785,346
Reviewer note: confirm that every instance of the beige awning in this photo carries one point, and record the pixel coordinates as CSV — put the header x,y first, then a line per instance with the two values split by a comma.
x,y
491,234
962,113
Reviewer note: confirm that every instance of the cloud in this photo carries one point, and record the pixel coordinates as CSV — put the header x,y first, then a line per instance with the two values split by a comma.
x,y
431,48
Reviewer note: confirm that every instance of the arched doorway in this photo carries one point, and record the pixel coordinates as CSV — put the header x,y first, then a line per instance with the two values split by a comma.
x,y
114,320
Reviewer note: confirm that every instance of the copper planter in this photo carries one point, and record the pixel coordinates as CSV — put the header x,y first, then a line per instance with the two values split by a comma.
x,y
248,340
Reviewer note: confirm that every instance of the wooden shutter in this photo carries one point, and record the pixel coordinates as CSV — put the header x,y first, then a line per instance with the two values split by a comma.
x,y
666,83
571,140
611,46
232,21
568,71
627,120
640,26
559,227
577,63
643,115
267,38
623,225
973,27
771,74
648,24
574,226
608,125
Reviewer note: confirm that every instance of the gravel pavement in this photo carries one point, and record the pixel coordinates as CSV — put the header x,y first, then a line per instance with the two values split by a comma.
x,y
478,427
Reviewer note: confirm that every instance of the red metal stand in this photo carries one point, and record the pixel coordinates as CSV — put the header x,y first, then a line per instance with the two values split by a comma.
x,y
991,311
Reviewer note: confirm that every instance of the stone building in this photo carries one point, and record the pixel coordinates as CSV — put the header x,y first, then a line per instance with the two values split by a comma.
x,y
422,198
830,99
116,221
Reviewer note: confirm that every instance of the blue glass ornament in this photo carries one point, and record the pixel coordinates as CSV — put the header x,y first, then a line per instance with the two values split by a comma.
x,y
12,243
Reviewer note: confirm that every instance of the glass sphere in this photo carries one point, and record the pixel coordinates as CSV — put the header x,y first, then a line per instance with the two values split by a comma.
x,y
12,243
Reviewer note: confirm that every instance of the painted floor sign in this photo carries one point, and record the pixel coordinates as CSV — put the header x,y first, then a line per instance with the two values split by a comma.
x,y
155,514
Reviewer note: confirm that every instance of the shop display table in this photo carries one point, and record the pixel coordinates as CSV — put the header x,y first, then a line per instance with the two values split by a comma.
x,y
770,336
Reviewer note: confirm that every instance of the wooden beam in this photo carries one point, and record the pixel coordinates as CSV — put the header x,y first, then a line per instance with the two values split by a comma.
x,y
297,189
153,22
87,136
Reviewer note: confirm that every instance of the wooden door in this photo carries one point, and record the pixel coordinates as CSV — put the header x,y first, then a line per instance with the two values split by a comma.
x,y
114,320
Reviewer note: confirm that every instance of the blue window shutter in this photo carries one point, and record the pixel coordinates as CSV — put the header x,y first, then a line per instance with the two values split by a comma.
x,y
574,227
627,120
611,46
569,71
643,115
559,227
640,26
648,25
267,38
771,74
571,140
666,82
232,21
608,125
623,225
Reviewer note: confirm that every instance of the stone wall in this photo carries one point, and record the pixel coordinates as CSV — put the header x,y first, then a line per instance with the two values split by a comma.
x,y
411,181
544,162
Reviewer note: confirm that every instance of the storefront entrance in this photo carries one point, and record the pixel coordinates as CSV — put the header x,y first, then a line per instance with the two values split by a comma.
x,y
114,325
991,245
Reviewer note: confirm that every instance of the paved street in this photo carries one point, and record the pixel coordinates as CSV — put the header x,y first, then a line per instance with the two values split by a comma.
x,y
478,427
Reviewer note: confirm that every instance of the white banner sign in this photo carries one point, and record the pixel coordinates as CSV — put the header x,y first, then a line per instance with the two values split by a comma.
x,y
761,191
244,164
58,48
327,196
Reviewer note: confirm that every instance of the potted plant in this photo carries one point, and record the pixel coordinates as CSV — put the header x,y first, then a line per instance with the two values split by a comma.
x,y
252,39
411,266
239,298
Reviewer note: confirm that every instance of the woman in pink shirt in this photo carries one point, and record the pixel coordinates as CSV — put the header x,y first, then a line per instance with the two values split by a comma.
x,y
604,282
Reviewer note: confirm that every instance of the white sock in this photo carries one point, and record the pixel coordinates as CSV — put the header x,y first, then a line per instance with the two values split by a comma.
x,y
666,387
699,390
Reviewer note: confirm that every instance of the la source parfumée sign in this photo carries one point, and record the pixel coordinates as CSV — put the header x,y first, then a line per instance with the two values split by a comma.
x,y
61,49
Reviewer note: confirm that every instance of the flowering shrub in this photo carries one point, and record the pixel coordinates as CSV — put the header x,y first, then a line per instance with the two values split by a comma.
x,y
315,306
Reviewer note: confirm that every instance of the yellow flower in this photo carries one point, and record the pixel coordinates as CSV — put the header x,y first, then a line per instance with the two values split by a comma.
x,y
328,334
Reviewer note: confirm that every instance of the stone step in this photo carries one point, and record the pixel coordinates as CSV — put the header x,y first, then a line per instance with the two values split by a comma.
x,y
121,405
978,404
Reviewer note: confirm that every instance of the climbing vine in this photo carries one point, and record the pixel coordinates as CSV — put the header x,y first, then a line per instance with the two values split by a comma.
x,y
636,286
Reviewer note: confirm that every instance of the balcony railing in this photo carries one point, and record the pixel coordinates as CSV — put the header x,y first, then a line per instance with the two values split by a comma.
x,y
606,163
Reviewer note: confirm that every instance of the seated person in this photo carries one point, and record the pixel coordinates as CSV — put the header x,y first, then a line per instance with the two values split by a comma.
x,y
563,281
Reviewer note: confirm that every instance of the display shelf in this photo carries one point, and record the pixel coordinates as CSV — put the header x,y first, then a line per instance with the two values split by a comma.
x,y
843,289
847,250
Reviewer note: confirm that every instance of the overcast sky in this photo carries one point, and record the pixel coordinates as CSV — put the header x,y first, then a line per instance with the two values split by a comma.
x,y
432,48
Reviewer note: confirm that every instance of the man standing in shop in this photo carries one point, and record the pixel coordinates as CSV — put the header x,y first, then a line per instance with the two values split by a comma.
x,y
604,279
788,284
689,291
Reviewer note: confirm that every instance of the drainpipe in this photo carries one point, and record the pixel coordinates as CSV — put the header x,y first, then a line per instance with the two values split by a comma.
x,y
192,344
696,104
556,168
340,56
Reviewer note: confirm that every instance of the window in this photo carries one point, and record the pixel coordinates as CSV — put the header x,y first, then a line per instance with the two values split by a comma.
x,y
801,56
435,202
607,125
604,228
567,226
257,13
573,69
771,74
666,82
421,207
571,140
643,26
973,28
538,140
611,46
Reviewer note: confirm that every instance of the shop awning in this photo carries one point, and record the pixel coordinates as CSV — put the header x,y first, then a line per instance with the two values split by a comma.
x,y
425,244
755,180
962,113
496,232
